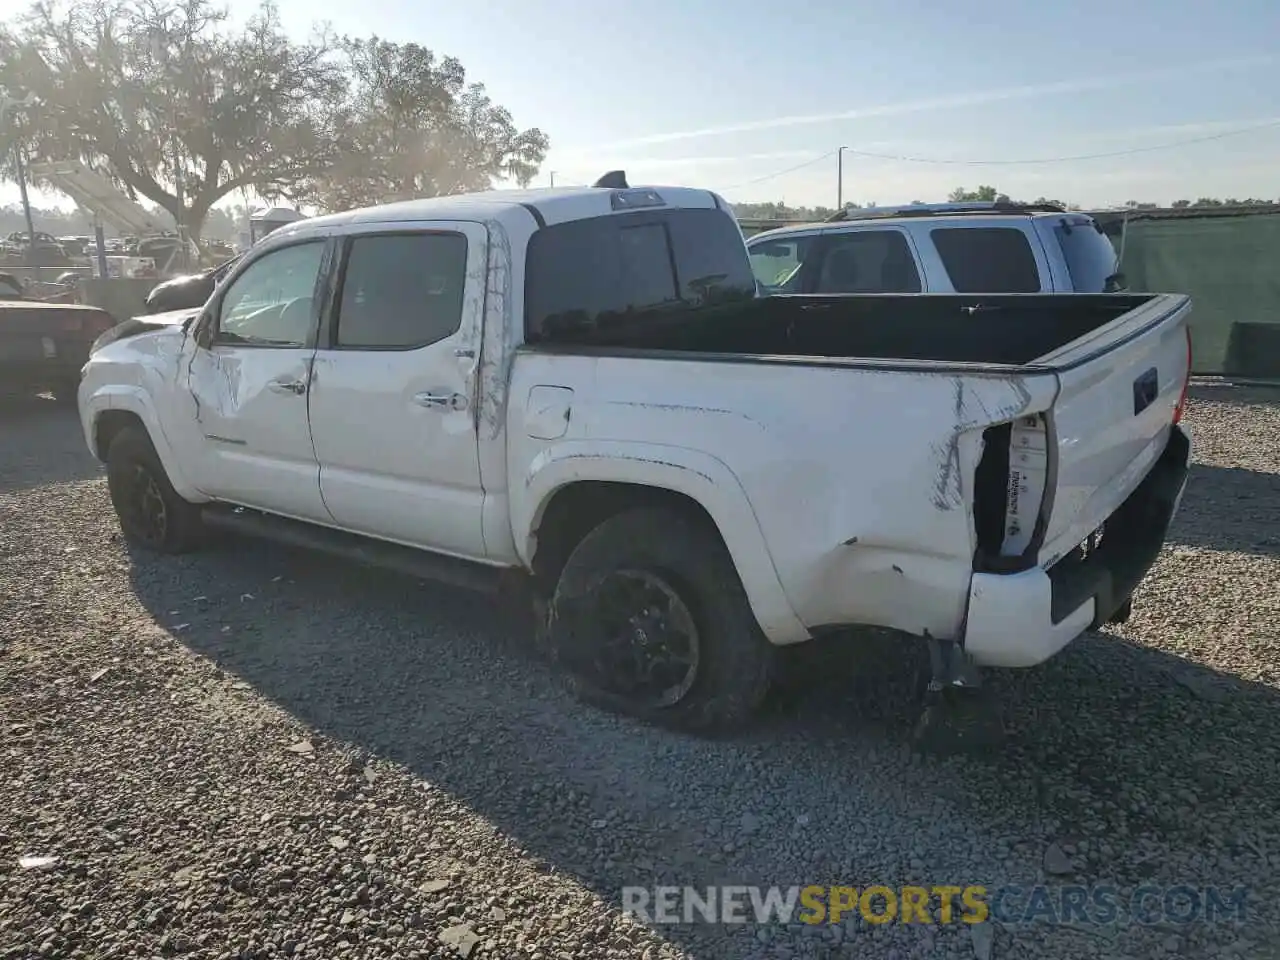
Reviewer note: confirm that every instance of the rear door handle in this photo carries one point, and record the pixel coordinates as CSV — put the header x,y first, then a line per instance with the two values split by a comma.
x,y
440,400
287,386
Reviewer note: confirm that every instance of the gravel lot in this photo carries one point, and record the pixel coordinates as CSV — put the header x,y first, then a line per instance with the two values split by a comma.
x,y
258,753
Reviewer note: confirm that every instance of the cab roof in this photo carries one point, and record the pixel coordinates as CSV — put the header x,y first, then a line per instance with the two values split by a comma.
x,y
546,206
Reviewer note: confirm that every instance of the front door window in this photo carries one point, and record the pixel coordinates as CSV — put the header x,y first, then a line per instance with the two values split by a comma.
x,y
272,302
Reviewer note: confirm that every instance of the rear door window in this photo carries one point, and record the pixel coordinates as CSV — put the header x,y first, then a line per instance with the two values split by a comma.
x,y
987,259
868,261
401,291
1091,258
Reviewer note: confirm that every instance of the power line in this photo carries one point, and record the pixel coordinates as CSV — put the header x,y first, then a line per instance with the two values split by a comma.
x,y
781,173
1034,160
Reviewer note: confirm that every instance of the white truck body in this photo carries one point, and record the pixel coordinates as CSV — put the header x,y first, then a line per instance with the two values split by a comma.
x,y
843,486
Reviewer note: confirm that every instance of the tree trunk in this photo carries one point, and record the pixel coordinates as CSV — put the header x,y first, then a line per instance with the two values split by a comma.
x,y
196,218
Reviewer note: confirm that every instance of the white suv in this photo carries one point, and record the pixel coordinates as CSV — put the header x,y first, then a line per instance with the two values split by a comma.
x,y
939,248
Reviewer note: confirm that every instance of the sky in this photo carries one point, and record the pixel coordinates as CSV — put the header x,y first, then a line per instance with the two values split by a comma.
x,y
753,98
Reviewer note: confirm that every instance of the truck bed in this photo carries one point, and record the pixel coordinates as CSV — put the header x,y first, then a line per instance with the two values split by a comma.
x,y
1011,329
1068,400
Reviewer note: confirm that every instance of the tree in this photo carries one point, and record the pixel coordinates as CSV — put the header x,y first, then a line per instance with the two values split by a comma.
x,y
174,105
984,194
411,126
780,211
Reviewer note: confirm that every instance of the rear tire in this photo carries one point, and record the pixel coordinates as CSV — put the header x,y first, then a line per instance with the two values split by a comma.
x,y
151,513
649,619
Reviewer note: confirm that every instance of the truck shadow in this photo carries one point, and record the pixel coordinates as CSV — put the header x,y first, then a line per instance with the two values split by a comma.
x,y
34,433
1232,509
448,687
1226,392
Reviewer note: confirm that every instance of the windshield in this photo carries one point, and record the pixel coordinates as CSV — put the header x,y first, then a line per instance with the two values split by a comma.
x,y
1091,259
776,261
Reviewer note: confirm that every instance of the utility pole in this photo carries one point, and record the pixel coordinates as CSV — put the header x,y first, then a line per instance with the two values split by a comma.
x,y
553,178
840,178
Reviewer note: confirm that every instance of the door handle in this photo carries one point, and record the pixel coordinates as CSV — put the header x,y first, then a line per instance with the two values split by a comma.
x,y
440,400
287,386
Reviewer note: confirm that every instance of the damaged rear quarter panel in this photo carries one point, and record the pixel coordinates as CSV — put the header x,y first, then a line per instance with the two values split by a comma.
x,y
860,477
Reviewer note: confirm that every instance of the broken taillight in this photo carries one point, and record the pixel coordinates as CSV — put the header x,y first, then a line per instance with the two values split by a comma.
x,y
1010,487
1186,384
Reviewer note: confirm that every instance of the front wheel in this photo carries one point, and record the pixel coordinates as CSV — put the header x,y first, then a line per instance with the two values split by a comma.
x,y
650,619
151,513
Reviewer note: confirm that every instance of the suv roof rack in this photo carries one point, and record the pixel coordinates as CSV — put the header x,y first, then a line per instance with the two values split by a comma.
x,y
942,209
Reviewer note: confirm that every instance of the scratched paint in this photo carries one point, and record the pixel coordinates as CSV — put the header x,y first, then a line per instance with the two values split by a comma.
x,y
500,335
532,475
685,408
970,411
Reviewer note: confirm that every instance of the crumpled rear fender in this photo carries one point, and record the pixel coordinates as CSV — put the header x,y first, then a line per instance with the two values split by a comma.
x,y
701,477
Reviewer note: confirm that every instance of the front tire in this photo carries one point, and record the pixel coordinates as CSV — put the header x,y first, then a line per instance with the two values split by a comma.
x,y
649,619
151,513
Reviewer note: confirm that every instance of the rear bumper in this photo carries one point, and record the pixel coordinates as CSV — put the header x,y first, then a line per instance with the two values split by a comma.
x,y
1021,619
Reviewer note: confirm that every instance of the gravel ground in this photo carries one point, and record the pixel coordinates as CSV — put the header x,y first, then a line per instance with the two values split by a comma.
x,y
257,753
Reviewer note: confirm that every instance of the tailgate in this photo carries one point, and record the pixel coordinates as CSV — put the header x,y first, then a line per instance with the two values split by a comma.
x,y
1120,389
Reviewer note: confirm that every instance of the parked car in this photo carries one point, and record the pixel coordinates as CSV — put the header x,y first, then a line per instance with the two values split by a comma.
x,y
44,345
940,248
47,252
10,287
186,292
76,247
579,392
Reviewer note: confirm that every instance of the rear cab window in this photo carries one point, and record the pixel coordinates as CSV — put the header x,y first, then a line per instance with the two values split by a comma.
x,y
987,259
1091,258
593,273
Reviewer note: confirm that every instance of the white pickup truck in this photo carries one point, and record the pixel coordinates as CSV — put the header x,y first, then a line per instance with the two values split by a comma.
x,y
579,390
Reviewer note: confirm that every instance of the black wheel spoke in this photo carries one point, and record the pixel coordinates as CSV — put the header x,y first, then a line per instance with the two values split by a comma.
x,y
144,505
644,641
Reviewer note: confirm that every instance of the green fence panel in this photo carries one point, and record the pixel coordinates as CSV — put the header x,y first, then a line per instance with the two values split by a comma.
x,y
1227,264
